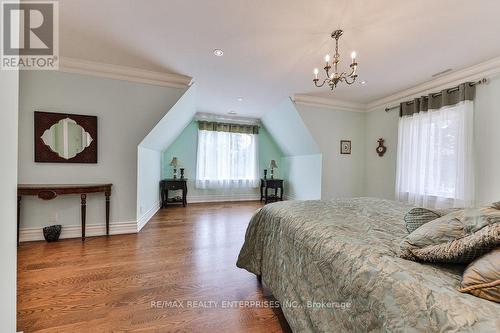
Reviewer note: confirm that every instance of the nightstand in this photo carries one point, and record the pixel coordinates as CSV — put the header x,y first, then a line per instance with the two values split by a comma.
x,y
173,184
271,183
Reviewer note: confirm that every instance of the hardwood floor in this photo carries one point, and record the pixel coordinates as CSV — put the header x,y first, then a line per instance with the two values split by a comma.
x,y
108,284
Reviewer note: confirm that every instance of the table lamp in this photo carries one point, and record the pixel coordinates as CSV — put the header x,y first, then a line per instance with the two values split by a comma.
x,y
273,166
174,163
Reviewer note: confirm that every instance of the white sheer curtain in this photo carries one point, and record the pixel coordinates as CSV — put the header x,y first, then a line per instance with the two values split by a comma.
x,y
227,160
435,162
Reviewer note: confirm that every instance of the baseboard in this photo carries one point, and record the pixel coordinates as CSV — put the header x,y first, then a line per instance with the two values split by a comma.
x,y
75,231
222,198
144,219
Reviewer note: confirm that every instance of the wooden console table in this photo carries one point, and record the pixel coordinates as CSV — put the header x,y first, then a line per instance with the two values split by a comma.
x,y
49,192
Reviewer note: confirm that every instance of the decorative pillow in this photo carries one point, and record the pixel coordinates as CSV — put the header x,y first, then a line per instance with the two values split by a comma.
x,y
482,277
496,205
458,237
417,217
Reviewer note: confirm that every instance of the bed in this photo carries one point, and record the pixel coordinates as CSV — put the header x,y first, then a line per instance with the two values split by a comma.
x,y
333,266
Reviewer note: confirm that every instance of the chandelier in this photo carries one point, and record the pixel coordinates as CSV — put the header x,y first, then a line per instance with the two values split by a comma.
x,y
332,79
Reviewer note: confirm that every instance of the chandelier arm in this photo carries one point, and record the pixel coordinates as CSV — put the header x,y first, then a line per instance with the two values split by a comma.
x,y
319,85
351,82
353,71
327,70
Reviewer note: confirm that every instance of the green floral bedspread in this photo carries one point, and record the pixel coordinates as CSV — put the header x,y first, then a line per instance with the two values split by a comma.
x,y
333,266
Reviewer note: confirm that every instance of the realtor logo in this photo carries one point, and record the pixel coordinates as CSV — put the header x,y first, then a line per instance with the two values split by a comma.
x,y
30,35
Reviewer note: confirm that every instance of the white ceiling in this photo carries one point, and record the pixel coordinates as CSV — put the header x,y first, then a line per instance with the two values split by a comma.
x,y
271,46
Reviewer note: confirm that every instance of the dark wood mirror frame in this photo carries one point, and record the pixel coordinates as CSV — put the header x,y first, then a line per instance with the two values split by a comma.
x,y
43,153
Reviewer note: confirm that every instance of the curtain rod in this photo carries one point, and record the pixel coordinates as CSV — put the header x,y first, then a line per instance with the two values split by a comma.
x,y
483,80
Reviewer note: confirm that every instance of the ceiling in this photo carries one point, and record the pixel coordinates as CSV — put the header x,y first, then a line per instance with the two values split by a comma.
x,y
271,47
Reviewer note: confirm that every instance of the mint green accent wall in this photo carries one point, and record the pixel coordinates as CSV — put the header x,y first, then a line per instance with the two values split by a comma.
x,y
185,149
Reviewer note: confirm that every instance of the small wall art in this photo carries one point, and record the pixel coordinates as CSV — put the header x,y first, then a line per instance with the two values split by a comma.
x,y
345,147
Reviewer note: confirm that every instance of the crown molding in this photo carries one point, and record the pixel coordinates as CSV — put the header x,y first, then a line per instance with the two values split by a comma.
x,y
330,103
117,72
479,71
485,69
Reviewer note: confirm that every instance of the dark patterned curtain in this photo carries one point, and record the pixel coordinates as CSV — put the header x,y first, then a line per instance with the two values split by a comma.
x,y
447,97
227,127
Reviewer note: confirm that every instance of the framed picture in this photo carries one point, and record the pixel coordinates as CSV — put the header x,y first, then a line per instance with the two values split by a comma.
x,y
345,147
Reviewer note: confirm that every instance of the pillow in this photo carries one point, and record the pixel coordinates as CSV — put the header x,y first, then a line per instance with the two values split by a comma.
x,y
458,237
417,217
482,277
496,205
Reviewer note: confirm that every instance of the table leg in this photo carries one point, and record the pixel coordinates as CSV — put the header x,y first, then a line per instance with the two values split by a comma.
x,y
84,212
166,198
162,196
18,217
261,193
281,193
184,196
107,194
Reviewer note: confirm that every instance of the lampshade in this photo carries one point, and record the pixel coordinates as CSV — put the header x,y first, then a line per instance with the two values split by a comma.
x,y
273,164
174,162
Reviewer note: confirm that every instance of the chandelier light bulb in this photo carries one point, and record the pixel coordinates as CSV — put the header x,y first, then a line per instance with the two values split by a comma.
x,y
327,58
316,71
353,55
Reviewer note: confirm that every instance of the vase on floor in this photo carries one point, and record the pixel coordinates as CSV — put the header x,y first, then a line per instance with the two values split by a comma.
x,y
52,233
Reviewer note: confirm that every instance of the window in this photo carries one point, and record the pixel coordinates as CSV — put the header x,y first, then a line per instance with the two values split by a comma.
x,y
226,159
435,159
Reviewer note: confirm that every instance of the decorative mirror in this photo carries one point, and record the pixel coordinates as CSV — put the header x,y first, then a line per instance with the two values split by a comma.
x,y
65,138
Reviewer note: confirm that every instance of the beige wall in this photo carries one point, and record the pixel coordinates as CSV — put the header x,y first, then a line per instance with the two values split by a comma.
x,y
126,112
342,175
9,93
380,173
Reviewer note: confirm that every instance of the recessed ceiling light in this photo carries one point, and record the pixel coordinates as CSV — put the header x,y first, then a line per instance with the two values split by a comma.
x,y
218,52
232,112
363,82
240,99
